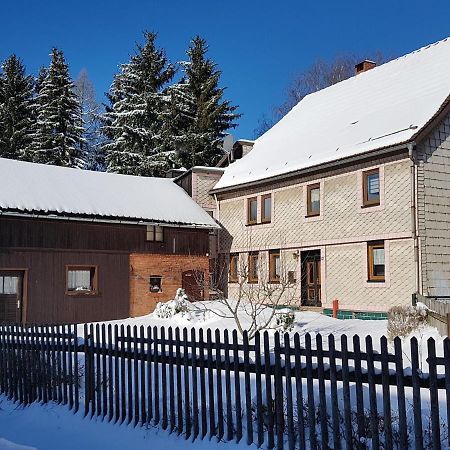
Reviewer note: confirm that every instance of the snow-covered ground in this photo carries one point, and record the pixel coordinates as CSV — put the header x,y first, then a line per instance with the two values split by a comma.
x,y
54,427
214,315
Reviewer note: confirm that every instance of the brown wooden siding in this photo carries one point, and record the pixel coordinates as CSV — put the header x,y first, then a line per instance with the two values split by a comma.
x,y
71,235
42,248
46,300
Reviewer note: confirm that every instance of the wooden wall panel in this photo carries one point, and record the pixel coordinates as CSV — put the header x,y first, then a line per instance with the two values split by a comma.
x,y
46,301
59,234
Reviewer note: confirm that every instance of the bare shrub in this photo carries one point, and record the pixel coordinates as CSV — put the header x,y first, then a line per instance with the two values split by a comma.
x,y
404,320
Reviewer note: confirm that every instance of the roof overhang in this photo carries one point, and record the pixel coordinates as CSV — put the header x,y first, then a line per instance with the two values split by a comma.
x,y
316,168
100,219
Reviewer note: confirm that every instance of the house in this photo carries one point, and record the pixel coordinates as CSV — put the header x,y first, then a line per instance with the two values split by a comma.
x,y
80,246
351,189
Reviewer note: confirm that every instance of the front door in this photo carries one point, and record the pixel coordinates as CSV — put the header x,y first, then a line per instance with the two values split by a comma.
x,y
11,296
310,283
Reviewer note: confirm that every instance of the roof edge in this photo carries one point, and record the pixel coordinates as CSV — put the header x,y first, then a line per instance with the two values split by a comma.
x,y
101,219
316,168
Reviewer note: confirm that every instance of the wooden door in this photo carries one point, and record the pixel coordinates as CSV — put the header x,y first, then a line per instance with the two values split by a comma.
x,y
11,283
192,283
311,278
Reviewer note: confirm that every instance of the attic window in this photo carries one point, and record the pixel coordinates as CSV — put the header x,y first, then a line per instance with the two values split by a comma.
x,y
155,233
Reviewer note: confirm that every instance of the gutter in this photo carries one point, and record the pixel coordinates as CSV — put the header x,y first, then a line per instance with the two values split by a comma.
x,y
414,217
110,221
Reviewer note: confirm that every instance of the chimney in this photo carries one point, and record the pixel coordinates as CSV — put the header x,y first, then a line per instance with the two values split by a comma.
x,y
364,66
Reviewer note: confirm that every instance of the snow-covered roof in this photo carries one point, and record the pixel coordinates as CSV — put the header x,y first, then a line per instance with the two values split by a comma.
x,y
41,189
383,107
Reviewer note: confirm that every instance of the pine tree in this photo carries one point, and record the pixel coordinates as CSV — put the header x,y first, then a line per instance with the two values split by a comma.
x,y
199,114
58,131
135,122
91,148
16,111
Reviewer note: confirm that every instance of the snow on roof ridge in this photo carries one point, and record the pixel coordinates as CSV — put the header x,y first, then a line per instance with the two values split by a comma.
x,y
382,107
376,68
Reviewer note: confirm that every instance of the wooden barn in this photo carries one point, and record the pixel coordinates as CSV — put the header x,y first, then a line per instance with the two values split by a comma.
x,y
79,246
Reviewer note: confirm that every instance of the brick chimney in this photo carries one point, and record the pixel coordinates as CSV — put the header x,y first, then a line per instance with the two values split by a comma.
x,y
364,66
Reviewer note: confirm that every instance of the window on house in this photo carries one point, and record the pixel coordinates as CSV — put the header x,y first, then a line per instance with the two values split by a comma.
x,y
8,285
233,274
155,233
155,285
252,211
253,267
376,261
266,208
371,187
313,199
82,279
274,266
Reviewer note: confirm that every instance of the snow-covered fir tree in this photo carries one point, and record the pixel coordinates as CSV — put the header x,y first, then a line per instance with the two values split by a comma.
x,y
199,114
135,122
16,109
91,112
58,133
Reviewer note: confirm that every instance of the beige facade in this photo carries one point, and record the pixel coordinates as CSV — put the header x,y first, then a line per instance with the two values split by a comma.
x,y
341,233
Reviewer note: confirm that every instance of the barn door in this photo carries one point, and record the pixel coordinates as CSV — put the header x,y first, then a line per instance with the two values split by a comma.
x,y
193,284
11,296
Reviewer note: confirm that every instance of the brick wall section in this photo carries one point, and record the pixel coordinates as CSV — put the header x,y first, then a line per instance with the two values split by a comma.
x,y
170,267
433,188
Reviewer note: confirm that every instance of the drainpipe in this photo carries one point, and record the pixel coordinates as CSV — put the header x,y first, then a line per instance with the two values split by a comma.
x,y
414,217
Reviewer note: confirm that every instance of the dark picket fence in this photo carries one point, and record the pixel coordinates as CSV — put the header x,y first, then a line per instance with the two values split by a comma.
x,y
294,391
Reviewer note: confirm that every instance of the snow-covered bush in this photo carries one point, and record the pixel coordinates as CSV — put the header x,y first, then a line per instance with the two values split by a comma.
x,y
404,320
179,305
285,319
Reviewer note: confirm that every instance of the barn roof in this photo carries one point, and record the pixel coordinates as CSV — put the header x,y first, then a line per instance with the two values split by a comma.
x,y
42,189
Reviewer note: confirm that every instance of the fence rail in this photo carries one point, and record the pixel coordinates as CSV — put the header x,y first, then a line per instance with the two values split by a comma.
x,y
280,391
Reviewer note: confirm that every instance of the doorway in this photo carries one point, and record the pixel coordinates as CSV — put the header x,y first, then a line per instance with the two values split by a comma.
x,y
310,281
11,289
193,284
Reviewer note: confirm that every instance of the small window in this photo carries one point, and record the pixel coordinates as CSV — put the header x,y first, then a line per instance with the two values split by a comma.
x,y
266,208
313,200
8,285
253,267
252,211
155,285
371,187
376,261
233,274
274,266
155,233
81,279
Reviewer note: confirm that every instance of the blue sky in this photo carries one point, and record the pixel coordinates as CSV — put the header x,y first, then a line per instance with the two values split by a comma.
x,y
259,45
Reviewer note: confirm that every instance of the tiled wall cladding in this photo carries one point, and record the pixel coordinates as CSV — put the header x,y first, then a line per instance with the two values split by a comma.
x,y
434,210
342,214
